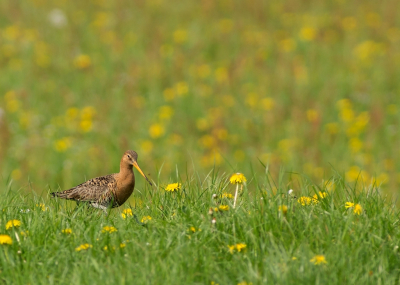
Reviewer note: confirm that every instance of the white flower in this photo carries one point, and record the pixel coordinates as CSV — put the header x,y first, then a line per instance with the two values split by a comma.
x,y
57,18
290,192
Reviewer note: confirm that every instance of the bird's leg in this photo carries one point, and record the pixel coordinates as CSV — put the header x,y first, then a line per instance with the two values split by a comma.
x,y
98,206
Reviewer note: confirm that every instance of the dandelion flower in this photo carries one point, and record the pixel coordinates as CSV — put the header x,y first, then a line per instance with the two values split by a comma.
x,y
192,229
67,231
82,61
349,205
237,178
126,213
227,195
174,187
145,219
41,206
238,247
304,201
357,209
122,245
5,239
283,209
13,223
231,248
223,207
318,259
109,229
84,246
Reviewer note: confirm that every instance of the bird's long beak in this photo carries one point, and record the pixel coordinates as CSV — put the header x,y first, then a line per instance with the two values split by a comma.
x,y
141,172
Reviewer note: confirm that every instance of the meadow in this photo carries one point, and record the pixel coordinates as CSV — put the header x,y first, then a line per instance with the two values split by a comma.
x,y
294,95
191,233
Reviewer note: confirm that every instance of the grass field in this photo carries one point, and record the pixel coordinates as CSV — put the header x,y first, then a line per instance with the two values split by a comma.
x,y
322,236
201,90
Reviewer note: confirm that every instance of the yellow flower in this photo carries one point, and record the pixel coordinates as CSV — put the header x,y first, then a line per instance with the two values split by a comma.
x,y
16,174
122,245
109,229
180,36
181,88
86,125
307,33
312,115
192,229
173,187
67,231
237,178
13,223
126,213
238,247
357,209
304,201
349,205
82,61
321,195
41,206
156,131
227,195
5,239
145,219
63,144
223,207
84,246
283,209
318,259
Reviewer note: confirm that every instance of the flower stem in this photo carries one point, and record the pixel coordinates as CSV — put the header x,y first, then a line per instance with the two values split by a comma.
x,y
236,193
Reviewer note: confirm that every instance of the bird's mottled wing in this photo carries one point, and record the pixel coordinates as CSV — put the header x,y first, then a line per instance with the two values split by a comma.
x,y
94,190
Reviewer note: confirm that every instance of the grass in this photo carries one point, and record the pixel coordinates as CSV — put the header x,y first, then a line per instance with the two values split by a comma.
x,y
181,245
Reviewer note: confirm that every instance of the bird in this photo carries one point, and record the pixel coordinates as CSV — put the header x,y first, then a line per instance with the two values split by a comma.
x,y
108,191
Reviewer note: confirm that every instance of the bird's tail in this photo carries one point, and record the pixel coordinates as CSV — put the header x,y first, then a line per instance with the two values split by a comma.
x,y
61,194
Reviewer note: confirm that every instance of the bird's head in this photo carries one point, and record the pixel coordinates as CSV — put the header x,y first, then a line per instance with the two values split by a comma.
x,y
130,157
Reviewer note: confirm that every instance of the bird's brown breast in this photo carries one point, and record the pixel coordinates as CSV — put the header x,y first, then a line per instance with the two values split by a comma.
x,y
125,186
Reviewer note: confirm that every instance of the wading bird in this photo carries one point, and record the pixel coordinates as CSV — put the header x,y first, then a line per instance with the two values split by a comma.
x,y
108,191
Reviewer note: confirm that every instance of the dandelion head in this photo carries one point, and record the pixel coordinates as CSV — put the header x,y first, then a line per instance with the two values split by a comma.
x,y
126,213
227,195
5,239
67,231
283,209
174,187
237,178
349,205
304,200
108,229
84,246
357,209
318,259
13,223
145,219
223,207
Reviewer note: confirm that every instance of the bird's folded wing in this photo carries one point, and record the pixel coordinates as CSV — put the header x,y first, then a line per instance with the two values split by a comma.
x,y
93,190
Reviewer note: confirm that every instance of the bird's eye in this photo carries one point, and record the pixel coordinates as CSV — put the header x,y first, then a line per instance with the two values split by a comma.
x,y
129,156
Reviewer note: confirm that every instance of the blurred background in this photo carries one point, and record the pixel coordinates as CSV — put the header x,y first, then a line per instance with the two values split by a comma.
x,y
311,86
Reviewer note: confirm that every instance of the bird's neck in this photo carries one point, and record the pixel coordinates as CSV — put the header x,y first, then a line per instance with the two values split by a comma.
x,y
126,183
125,169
